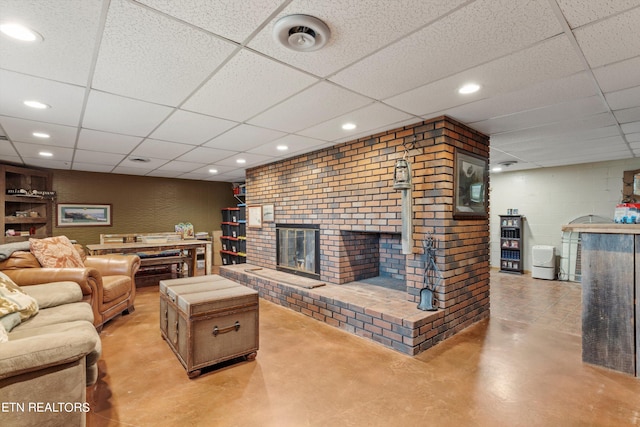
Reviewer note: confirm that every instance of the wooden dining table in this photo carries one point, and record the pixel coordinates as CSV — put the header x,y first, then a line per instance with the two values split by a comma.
x,y
191,246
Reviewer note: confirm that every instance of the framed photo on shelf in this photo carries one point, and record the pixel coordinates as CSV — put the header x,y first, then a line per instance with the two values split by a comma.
x,y
469,185
82,214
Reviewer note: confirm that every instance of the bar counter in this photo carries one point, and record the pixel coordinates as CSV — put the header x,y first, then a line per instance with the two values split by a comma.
x,y
610,295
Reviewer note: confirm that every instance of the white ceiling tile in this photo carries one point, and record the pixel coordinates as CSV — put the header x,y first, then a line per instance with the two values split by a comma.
x,y
161,149
613,39
96,158
580,12
631,127
94,140
165,174
565,111
181,167
625,98
191,128
65,100
6,149
250,159
548,92
620,75
545,62
205,155
19,130
91,167
554,129
164,60
127,170
315,105
238,176
357,29
41,162
247,85
244,138
366,118
117,114
295,144
130,163
228,18
484,30
628,115
633,137
30,151
69,29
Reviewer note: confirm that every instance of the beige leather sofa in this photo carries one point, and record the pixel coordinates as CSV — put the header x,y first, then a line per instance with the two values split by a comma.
x,y
49,360
107,281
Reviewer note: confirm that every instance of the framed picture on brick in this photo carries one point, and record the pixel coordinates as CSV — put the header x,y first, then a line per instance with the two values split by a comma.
x,y
254,216
470,179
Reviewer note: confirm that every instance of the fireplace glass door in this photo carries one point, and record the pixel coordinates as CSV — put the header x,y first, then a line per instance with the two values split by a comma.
x,y
298,249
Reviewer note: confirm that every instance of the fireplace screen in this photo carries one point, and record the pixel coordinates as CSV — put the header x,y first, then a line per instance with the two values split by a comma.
x,y
298,249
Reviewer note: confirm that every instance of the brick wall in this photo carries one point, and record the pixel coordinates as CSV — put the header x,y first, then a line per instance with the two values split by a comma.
x,y
348,190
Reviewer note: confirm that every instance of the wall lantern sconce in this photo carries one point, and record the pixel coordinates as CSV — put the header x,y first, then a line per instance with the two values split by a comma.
x,y
402,175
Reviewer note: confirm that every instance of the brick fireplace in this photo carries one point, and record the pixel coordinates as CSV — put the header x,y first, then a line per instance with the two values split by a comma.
x,y
347,191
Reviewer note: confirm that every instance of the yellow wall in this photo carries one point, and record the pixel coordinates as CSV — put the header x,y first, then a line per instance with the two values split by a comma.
x,y
141,204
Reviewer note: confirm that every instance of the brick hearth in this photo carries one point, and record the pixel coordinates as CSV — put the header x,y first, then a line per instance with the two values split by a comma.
x,y
373,312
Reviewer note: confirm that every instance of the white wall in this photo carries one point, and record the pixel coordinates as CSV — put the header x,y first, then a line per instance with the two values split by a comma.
x,y
552,197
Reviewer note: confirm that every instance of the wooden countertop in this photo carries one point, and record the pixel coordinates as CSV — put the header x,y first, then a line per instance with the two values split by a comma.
x,y
603,228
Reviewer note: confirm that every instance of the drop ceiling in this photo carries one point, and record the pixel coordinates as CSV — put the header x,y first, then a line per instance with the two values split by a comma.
x,y
195,85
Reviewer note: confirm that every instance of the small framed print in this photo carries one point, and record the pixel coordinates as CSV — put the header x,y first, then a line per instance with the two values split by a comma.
x,y
268,213
254,216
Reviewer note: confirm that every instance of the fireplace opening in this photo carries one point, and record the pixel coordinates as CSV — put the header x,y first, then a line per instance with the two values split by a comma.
x,y
298,249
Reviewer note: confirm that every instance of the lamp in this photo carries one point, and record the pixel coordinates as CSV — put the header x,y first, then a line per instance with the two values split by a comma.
x,y
402,175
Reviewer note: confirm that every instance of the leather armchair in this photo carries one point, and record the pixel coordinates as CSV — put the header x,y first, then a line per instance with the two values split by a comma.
x,y
107,281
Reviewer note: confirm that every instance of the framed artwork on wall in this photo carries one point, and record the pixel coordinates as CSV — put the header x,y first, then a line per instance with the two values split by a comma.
x,y
254,216
83,214
268,213
470,179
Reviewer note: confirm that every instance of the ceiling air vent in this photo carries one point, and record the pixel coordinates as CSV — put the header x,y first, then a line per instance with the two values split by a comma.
x,y
302,33
139,159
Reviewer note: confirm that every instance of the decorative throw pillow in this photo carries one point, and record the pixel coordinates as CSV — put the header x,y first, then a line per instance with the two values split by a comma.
x,y
14,300
56,252
3,334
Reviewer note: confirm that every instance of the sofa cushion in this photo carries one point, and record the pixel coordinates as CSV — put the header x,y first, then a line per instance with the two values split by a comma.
x,y
56,252
54,293
114,287
58,315
15,300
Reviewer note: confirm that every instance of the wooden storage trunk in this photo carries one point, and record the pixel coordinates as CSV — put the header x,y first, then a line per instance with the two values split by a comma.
x,y
207,320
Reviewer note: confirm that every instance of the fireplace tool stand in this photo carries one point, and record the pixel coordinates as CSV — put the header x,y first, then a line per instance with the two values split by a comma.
x,y
432,277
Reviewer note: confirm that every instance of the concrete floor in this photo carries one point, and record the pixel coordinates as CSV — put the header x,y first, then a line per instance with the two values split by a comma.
x,y
522,367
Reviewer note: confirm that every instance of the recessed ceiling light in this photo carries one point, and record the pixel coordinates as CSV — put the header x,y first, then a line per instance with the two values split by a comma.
x,y
349,126
46,154
282,148
241,161
36,104
20,32
496,169
213,170
41,135
469,88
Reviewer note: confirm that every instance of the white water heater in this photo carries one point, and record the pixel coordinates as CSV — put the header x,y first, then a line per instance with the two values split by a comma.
x,y
543,262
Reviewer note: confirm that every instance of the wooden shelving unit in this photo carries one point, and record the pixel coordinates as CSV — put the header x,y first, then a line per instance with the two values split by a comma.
x,y
511,244
26,213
